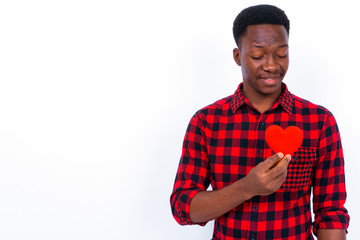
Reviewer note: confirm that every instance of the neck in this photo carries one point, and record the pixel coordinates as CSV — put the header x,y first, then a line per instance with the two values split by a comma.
x,y
262,102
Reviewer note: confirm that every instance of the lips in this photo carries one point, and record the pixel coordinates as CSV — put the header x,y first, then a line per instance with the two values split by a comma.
x,y
270,76
270,79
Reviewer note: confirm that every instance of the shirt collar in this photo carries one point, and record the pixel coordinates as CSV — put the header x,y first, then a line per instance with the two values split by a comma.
x,y
285,100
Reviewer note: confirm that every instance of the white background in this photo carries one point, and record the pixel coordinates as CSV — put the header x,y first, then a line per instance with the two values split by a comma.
x,y
95,97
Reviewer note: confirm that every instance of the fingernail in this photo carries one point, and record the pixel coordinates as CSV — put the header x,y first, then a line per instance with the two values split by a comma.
x,y
288,156
280,155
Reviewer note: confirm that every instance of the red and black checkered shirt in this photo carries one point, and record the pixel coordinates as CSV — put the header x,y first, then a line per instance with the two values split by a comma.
x,y
225,140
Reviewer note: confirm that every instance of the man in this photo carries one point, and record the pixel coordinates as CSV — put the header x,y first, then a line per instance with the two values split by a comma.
x,y
257,193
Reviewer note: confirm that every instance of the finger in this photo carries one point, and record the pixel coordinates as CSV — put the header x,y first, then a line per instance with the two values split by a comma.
x,y
287,159
281,166
272,161
279,180
283,163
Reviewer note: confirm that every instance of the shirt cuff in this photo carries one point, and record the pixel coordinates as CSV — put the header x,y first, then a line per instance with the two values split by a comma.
x,y
332,220
183,207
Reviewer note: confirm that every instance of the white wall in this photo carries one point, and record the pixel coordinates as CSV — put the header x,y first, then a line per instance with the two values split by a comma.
x,y
95,97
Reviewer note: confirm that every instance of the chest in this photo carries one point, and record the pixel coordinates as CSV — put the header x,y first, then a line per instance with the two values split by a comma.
x,y
236,143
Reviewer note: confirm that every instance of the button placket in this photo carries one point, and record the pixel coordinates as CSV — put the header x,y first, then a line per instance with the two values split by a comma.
x,y
261,128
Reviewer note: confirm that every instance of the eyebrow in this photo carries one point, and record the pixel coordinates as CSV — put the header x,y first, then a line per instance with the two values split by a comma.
x,y
260,46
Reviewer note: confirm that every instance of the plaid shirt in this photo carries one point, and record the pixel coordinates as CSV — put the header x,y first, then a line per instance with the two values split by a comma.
x,y
225,140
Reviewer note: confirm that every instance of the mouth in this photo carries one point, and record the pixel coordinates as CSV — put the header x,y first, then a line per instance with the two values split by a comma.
x,y
270,80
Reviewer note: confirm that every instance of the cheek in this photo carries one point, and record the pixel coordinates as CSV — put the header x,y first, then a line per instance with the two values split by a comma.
x,y
249,70
245,72
285,64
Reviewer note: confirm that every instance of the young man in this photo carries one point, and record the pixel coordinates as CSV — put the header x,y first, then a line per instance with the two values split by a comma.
x,y
257,193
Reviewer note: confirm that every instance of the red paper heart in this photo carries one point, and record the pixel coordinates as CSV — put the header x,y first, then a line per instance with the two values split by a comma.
x,y
286,141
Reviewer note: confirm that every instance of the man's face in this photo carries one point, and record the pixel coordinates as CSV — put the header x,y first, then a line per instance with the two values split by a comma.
x,y
264,59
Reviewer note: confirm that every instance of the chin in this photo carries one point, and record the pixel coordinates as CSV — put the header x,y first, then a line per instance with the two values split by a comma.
x,y
271,89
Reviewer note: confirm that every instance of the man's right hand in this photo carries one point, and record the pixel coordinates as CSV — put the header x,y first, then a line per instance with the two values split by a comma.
x,y
263,179
268,176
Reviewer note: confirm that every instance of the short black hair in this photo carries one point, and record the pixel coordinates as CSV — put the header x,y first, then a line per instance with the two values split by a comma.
x,y
259,14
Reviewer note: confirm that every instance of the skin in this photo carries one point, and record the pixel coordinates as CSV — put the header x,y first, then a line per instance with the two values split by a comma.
x,y
263,179
264,59
331,234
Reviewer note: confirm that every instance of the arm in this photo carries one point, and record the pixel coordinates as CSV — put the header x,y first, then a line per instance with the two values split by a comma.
x,y
261,180
194,176
331,234
329,192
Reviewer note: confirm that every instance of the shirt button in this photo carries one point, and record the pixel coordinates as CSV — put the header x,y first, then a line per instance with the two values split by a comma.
x,y
260,151
295,158
255,208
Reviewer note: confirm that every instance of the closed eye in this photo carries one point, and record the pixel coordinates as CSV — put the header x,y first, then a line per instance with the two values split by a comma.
x,y
256,58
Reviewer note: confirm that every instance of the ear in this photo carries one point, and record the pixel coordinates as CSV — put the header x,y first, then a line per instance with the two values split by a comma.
x,y
236,55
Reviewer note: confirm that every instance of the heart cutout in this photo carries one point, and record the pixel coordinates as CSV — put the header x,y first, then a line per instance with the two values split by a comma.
x,y
282,140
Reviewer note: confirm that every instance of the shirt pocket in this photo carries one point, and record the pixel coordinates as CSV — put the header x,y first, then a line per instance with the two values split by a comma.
x,y
299,169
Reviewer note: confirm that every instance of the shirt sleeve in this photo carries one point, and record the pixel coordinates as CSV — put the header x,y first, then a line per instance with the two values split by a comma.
x,y
329,192
193,172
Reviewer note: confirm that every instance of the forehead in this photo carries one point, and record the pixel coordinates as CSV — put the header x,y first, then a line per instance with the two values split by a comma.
x,y
265,34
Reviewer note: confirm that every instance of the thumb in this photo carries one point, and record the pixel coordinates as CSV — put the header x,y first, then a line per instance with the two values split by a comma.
x,y
272,161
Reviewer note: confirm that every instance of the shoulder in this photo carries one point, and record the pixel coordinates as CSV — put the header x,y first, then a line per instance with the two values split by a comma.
x,y
211,113
215,108
313,113
309,107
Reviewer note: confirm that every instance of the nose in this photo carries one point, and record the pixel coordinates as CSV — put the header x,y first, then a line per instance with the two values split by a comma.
x,y
270,64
